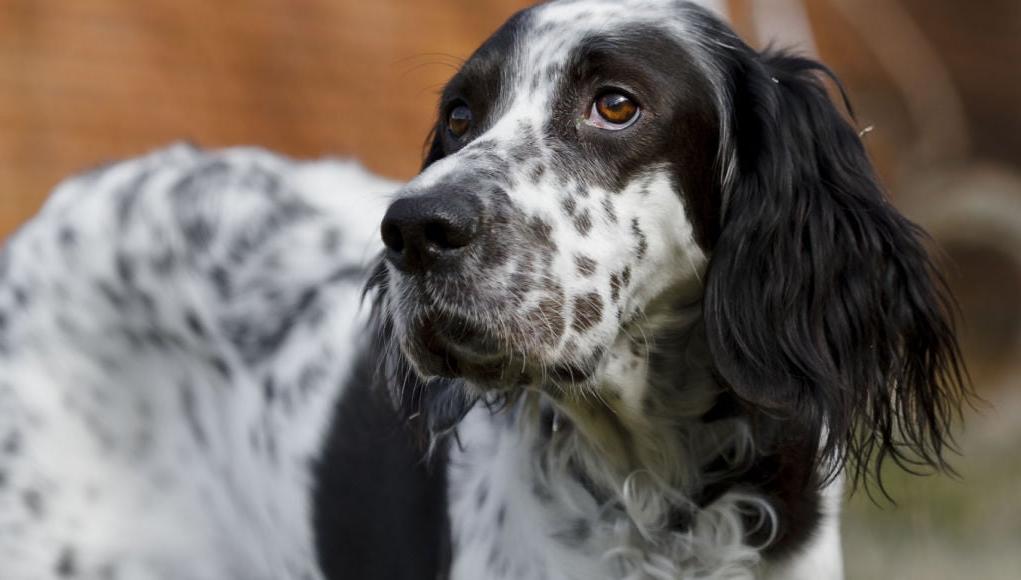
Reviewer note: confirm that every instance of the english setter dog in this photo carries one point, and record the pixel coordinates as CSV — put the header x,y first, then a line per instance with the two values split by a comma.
x,y
640,315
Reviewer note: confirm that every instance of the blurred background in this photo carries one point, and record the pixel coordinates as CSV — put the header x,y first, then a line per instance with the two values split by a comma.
x,y
938,81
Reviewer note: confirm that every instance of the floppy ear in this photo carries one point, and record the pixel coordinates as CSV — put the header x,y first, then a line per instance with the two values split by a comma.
x,y
822,306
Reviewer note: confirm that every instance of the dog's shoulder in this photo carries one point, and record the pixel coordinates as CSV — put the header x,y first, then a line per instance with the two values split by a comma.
x,y
173,331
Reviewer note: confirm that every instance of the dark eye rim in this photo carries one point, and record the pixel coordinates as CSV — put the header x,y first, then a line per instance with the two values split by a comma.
x,y
448,113
604,123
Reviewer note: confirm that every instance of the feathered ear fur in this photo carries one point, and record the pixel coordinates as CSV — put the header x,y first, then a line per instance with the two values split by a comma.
x,y
822,306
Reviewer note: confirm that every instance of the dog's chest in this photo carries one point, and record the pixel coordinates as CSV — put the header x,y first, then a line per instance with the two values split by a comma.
x,y
511,517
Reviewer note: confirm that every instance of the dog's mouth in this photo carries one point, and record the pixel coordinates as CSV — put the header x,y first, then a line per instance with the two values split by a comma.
x,y
446,345
491,356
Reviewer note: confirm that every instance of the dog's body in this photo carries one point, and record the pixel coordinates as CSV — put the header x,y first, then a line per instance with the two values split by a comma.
x,y
175,333
641,312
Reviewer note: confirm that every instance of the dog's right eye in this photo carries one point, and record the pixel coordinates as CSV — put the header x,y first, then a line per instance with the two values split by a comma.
x,y
614,111
459,120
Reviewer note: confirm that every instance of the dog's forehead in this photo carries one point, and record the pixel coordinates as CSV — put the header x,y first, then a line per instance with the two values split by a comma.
x,y
532,55
558,29
595,15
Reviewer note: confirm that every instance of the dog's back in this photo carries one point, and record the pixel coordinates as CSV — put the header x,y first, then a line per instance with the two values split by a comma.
x,y
174,332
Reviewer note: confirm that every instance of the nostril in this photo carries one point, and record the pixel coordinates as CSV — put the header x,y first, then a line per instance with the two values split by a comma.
x,y
449,235
392,237
436,234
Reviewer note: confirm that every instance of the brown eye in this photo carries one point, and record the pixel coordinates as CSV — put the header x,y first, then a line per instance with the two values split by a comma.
x,y
459,120
613,111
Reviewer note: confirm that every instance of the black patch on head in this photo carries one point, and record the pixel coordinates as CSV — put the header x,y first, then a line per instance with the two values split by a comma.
x,y
480,85
682,133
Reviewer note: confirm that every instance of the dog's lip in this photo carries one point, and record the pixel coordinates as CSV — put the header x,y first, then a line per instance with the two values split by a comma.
x,y
456,356
478,355
466,353
457,335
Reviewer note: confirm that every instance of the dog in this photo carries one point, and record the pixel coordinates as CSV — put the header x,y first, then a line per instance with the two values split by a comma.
x,y
648,282
643,313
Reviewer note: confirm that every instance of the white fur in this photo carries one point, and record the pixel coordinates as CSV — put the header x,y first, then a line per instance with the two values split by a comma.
x,y
528,539
823,556
123,485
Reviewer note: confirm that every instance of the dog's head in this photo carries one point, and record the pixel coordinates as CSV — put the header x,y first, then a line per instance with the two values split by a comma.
x,y
599,167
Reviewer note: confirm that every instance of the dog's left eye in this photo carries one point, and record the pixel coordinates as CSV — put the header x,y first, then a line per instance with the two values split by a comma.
x,y
613,111
459,120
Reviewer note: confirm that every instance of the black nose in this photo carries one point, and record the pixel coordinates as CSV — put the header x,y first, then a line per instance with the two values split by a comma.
x,y
426,231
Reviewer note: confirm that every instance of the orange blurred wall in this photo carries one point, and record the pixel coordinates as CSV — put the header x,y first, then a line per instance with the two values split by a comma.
x,y
85,82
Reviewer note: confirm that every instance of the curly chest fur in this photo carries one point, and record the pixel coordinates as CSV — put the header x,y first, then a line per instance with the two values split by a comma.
x,y
522,506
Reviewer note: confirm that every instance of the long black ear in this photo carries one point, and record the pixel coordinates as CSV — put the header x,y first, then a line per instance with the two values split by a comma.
x,y
822,306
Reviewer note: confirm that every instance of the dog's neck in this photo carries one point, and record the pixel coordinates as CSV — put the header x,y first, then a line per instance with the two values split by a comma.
x,y
637,428
620,465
